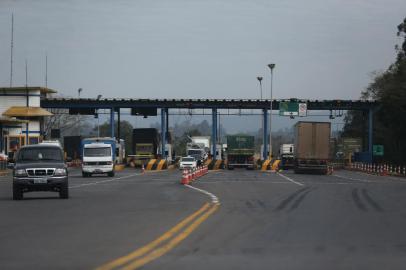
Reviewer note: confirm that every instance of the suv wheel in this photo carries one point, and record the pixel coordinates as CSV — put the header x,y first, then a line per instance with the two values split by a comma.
x,y
17,192
110,174
64,191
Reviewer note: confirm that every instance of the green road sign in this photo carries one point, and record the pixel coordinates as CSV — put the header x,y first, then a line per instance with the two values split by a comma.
x,y
290,108
377,150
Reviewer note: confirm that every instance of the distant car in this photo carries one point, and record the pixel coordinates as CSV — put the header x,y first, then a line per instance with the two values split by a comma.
x,y
187,163
40,167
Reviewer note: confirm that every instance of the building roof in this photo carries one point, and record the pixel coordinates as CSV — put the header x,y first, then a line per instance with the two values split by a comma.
x,y
21,111
43,90
11,121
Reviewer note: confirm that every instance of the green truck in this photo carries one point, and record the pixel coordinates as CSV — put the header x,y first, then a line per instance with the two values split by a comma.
x,y
240,152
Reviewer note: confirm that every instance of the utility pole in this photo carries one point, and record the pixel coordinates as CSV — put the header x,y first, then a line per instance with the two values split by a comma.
x,y
11,51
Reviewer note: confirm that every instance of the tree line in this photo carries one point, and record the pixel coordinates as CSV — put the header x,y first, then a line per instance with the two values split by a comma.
x,y
388,88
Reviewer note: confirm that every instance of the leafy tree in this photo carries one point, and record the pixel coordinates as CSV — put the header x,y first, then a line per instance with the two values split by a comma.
x,y
180,142
389,89
126,131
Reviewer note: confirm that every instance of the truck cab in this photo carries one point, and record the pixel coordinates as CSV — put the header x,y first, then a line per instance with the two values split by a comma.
x,y
98,158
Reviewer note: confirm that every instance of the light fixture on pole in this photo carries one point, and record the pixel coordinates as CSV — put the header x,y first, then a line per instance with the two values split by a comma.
x,y
271,66
260,84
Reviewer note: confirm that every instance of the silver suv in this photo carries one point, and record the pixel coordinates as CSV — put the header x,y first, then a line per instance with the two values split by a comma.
x,y
40,168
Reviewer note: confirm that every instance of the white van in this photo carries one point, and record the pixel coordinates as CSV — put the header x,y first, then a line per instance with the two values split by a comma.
x,y
98,159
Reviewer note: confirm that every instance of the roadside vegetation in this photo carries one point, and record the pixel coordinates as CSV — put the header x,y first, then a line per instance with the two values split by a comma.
x,y
389,89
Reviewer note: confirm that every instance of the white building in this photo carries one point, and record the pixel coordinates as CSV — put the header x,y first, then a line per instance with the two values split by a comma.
x,y
21,117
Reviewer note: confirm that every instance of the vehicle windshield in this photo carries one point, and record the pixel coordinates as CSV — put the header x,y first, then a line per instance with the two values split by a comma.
x,y
144,149
40,154
97,152
194,152
188,159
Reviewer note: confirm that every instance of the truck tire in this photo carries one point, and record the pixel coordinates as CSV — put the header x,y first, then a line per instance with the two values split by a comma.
x,y
110,174
17,193
84,174
64,191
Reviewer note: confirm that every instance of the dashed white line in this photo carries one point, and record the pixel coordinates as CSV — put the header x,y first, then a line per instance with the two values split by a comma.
x,y
213,197
291,180
105,181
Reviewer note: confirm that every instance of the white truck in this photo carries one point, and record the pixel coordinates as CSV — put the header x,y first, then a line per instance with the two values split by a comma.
x,y
98,157
203,142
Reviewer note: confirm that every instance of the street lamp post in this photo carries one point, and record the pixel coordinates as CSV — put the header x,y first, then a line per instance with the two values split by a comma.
x,y
260,84
263,127
271,66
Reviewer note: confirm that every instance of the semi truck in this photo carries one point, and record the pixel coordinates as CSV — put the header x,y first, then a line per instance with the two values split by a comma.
x,y
144,146
240,152
312,147
286,155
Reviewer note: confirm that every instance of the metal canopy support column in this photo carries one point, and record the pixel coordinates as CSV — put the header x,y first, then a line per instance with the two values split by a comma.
x,y
118,125
112,122
370,134
214,132
167,125
163,133
1,139
265,131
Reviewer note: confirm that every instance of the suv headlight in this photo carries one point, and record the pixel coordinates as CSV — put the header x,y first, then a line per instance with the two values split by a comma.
x,y
60,172
20,173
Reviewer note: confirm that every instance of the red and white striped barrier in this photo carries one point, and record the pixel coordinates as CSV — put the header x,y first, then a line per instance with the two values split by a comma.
x,y
379,169
191,175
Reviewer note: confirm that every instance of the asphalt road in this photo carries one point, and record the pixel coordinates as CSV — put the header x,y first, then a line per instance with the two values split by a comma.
x,y
348,220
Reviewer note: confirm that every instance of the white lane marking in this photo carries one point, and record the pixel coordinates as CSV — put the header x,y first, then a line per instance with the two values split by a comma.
x,y
105,181
351,179
213,197
290,179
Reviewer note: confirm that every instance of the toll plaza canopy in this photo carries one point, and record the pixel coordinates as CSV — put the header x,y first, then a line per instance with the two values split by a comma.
x,y
150,106
203,103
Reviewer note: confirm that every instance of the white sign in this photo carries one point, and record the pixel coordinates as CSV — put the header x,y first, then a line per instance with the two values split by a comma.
x,y
302,109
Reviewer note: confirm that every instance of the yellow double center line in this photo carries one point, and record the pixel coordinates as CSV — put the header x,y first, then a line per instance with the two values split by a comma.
x,y
162,244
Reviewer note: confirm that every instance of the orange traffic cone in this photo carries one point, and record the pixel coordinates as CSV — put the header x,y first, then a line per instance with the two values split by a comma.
x,y
185,178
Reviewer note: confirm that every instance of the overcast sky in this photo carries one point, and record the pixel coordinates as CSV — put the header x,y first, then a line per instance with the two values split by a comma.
x,y
322,49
